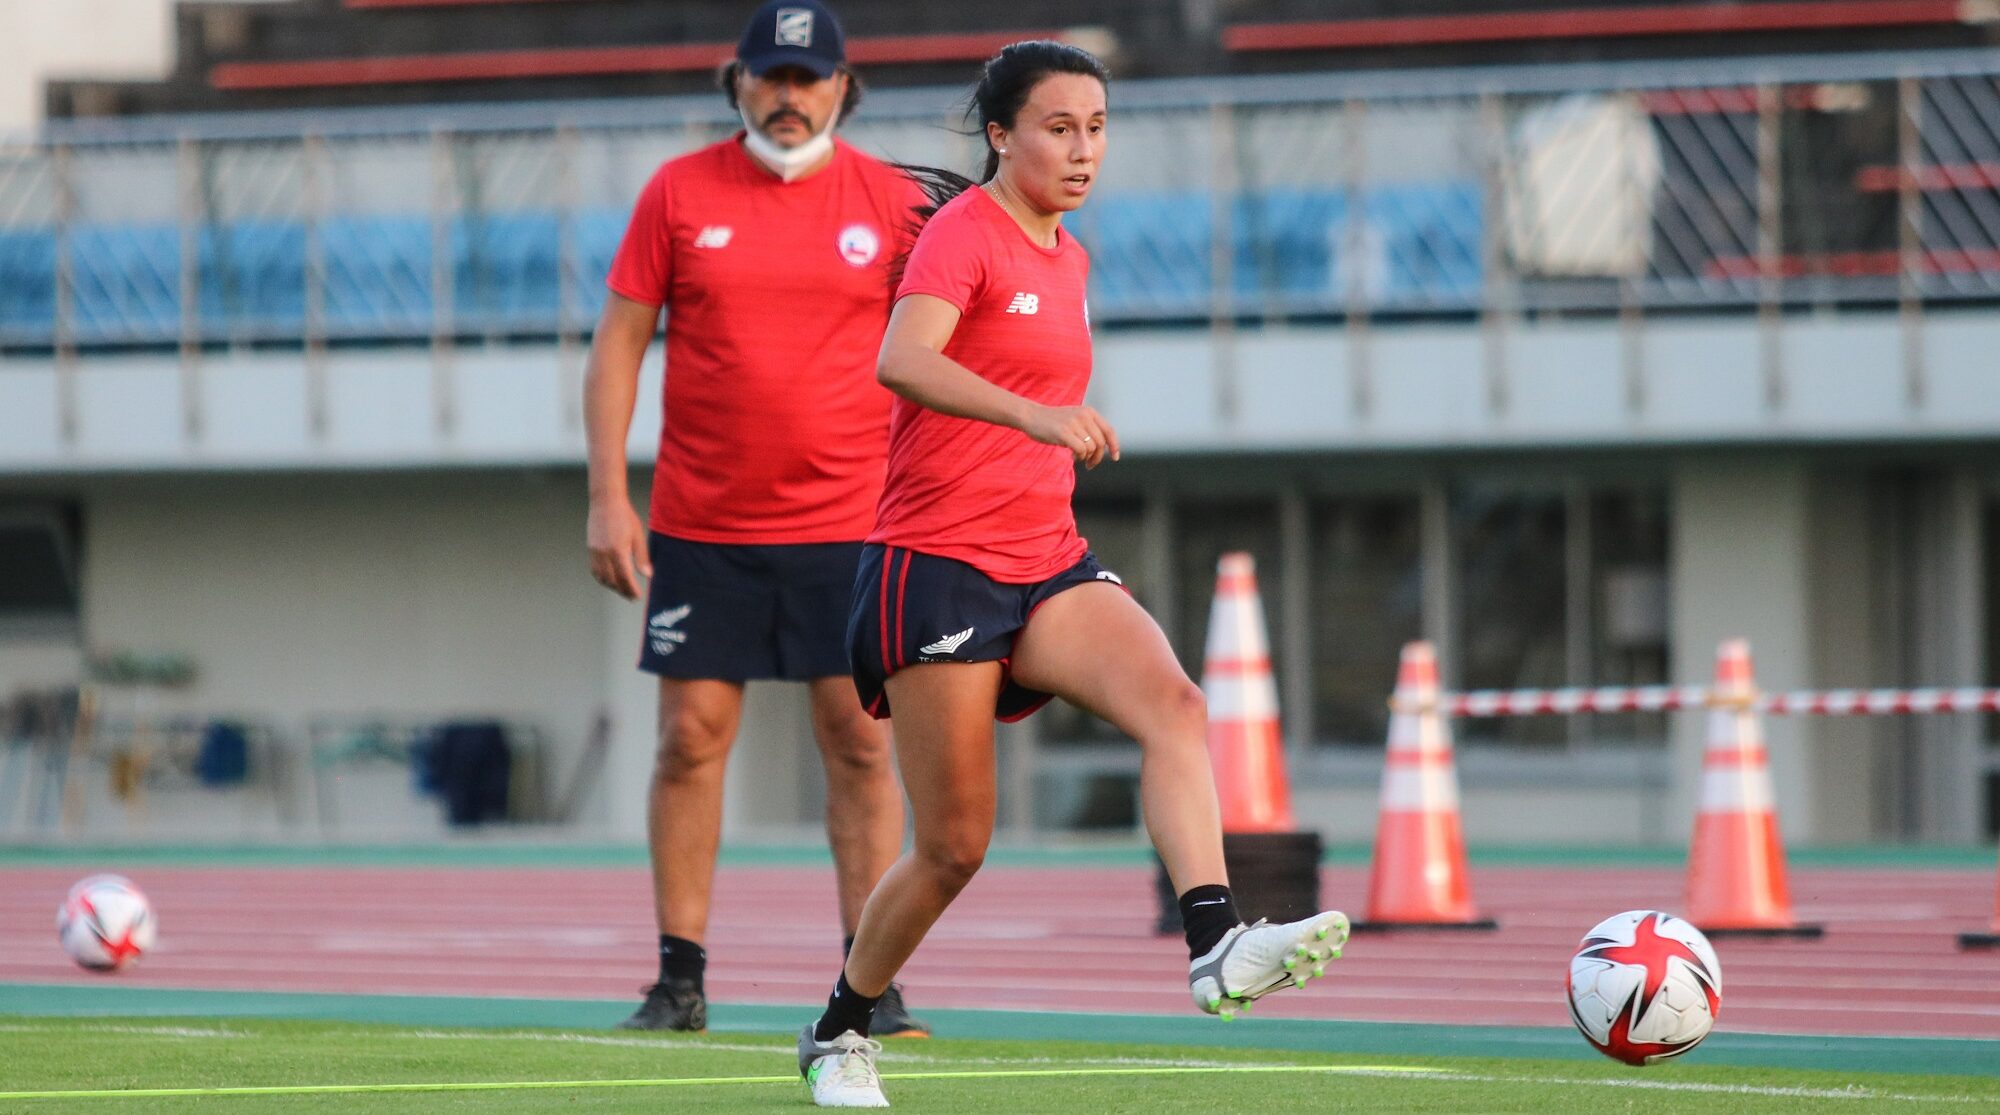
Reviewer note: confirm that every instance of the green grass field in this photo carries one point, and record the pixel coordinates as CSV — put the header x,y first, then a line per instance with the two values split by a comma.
x,y
291,1066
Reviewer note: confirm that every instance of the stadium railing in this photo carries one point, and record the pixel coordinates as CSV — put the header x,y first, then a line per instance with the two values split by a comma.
x,y
1741,184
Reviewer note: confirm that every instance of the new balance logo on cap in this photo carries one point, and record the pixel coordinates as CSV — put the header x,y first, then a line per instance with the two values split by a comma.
x,y
714,236
1024,303
949,644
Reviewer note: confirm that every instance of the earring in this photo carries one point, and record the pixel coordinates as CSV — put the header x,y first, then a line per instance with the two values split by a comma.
x,y
1003,150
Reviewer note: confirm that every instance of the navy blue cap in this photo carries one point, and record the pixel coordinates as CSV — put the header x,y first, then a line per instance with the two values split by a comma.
x,y
792,33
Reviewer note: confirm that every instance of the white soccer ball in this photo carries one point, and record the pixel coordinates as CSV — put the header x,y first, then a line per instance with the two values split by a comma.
x,y
106,923
1644,986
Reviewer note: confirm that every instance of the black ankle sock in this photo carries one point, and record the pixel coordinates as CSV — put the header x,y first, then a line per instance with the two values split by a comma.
x,y
1207,913
846,1009
681,959
847,946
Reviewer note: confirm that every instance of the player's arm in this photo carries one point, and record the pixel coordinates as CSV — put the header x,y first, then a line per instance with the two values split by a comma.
x,y
912,363
616,537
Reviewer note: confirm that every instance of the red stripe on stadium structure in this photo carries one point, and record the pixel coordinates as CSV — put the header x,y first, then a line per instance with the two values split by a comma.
x,y
1237,667
902,598
1929,261
1736,99
1945,176
1578,23
502,65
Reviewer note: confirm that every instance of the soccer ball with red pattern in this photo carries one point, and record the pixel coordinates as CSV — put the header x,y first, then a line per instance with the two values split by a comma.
x,y
1644,986
106,923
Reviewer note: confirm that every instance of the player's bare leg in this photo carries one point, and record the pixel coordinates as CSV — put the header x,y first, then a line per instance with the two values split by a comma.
x,y
944,733
697,725
864,818
1144,692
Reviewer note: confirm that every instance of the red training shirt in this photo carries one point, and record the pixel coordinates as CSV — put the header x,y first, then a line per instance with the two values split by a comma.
x,y
773,428
979,493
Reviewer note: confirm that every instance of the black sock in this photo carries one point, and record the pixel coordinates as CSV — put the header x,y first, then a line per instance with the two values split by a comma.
x,y
1207,913
846,1009
682,959
847,946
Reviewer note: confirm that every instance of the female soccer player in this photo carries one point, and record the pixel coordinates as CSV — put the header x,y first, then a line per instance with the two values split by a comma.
x,y
976,598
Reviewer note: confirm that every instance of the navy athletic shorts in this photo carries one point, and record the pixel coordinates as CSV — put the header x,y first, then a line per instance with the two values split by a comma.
x,y
911,607
726,612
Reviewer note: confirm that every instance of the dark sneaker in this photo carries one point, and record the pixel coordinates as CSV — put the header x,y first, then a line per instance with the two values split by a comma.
x,y
671,1005
893,1019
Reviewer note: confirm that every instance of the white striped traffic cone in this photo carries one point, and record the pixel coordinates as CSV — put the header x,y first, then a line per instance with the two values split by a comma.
x,y
1244,744
1736,864
1418,878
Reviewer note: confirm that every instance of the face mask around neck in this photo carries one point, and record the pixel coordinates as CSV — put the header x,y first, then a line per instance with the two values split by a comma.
x,y
787,162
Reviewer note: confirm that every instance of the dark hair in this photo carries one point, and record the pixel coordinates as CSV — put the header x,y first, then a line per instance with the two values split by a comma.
x,y
1004,86
727,74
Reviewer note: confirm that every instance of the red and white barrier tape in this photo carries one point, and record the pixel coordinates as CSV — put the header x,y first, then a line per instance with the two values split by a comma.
x,y
1667,698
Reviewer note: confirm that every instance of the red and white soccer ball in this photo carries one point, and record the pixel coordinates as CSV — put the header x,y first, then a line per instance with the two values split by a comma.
x,y
106,923
1644,986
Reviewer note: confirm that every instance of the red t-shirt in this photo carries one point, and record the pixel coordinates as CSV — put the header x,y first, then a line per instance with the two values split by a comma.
x,y
973,491
773,428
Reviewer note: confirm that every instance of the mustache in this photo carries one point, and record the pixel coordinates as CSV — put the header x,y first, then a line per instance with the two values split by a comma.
x,y
788,114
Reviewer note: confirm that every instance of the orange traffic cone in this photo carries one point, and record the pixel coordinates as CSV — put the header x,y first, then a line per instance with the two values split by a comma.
x,y
1736,866
1243,739
1985,940
1418,879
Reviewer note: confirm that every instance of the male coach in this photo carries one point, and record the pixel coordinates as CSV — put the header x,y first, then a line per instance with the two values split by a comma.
x,y
770,252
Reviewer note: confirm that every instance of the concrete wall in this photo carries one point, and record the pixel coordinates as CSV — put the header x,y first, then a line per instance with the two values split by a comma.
x,y
405,596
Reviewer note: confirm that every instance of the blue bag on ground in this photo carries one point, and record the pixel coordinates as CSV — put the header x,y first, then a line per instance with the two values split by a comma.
x,y
224,758
473,765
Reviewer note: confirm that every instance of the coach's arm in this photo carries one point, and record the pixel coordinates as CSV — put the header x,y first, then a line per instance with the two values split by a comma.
x,y
615,534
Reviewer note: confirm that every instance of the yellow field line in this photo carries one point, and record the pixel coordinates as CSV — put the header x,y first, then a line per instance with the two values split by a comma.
x,y
682,1082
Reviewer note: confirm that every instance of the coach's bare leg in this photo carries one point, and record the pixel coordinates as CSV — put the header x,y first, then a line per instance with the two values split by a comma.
x,y
698,722
864,805
944,747
1144,692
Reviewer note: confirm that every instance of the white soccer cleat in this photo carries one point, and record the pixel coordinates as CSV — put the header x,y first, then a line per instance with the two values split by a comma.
x,y
841,1072
1251,961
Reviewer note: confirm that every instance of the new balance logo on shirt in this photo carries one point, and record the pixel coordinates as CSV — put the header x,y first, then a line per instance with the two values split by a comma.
x,y
714,236
949,644
1024,303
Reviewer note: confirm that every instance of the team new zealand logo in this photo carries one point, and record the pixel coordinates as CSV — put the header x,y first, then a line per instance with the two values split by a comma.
x,y
664,632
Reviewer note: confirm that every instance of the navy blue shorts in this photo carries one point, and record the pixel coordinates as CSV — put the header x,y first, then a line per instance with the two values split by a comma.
x,y
726,612
911,607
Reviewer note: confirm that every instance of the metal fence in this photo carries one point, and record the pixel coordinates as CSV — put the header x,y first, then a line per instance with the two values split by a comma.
x,y
1753,184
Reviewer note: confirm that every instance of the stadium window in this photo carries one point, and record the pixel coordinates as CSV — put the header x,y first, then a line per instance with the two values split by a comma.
x,y
1115,530
1367,601
1510,566
1629,605
39,587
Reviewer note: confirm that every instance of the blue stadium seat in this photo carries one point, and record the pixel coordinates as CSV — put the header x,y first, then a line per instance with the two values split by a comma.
x,y
1151,259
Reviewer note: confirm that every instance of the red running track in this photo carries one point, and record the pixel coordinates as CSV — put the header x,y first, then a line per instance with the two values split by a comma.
x,y
1889,964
